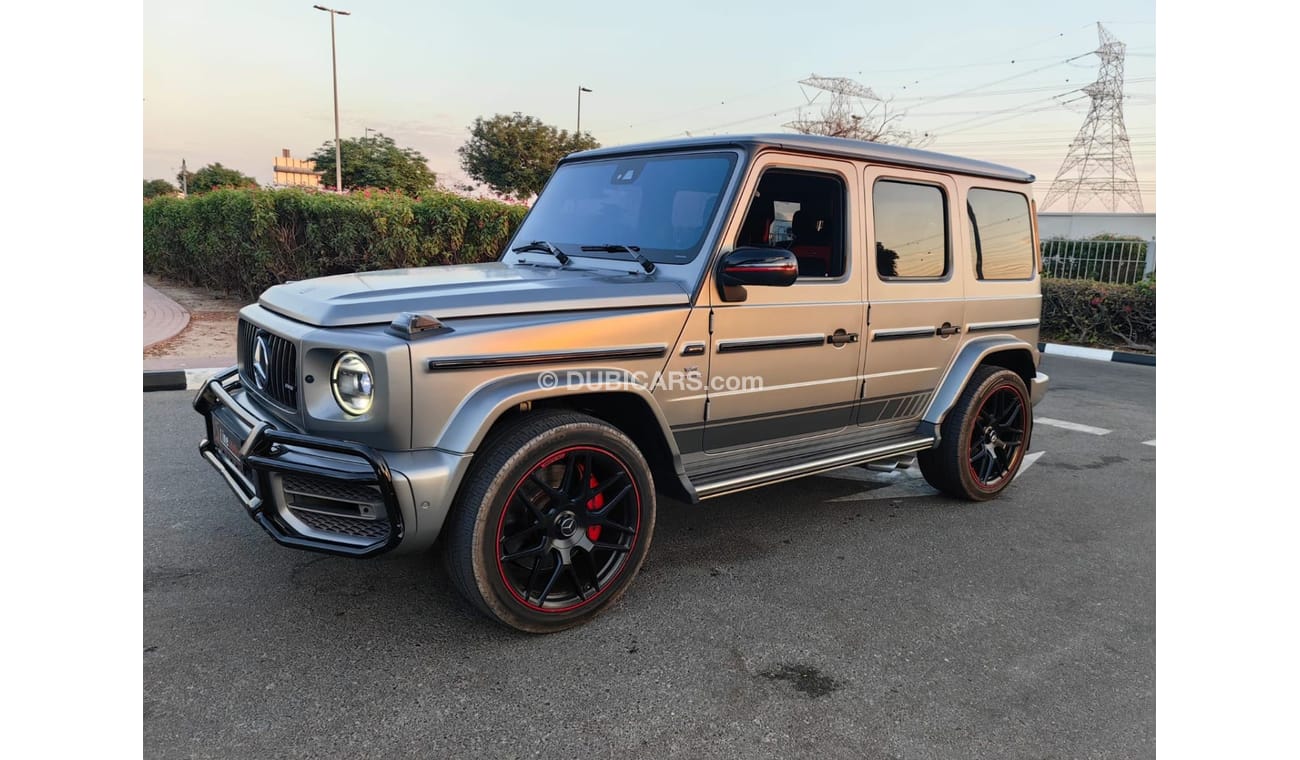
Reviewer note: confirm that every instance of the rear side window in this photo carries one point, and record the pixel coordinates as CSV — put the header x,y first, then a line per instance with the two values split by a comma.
x,y
1001,236
911,230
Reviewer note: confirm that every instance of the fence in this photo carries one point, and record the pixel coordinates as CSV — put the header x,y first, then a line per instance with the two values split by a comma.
x,y
1119,261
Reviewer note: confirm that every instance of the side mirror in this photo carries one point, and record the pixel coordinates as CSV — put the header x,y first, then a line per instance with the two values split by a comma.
x,y
773,267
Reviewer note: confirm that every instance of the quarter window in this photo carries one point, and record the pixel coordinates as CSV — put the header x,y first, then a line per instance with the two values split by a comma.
x,y
1002,240
911,230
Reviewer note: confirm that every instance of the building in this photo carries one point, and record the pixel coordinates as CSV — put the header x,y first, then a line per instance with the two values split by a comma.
x,y
295,172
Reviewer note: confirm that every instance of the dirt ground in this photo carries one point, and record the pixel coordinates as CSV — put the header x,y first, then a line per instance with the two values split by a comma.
x,y
211,331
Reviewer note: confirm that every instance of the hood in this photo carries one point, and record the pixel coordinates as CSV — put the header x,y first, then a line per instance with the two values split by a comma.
x,y
464,290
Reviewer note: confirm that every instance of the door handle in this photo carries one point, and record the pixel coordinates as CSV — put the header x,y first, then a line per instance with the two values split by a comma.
x,y
947,329
841,337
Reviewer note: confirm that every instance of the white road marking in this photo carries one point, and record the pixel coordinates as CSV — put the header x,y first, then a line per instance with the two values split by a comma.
x,y
1029,460
898,484
1151,442
1071,426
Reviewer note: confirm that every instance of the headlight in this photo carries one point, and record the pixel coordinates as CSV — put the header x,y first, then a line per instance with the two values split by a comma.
x,y
353,383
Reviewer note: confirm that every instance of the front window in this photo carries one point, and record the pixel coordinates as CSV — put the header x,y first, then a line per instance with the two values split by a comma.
x,y
803,212
663,205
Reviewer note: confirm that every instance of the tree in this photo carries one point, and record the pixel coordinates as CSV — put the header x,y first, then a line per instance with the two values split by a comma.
x,y
515,155
376,162
877,124
214,176
156,187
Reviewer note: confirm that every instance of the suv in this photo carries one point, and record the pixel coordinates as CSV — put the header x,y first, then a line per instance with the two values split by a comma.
x,y
693,318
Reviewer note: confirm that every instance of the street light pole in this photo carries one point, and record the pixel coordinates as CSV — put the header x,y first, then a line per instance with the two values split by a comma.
x,y
581,90
334,61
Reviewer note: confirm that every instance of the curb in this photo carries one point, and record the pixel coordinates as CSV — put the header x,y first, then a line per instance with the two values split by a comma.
x,y
178,379
1097,354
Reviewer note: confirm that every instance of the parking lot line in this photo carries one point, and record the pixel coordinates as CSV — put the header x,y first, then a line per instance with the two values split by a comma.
x,y
1071,426
897,484
1029,461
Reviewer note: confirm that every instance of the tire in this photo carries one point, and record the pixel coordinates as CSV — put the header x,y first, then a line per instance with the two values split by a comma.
x,y
983,439
553,522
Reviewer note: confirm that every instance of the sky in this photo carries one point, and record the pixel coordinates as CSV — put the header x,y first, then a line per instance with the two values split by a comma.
x,y
237,81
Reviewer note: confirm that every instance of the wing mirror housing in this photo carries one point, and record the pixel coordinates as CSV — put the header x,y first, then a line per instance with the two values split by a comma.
x,y
766,267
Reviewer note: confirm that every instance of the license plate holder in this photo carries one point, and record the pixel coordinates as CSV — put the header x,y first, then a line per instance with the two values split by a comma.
x,y
228,443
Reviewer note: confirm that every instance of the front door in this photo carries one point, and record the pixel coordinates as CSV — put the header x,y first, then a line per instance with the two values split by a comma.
x,y
777,370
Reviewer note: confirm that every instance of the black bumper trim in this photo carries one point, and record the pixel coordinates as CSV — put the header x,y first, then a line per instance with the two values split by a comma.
x,y
260,456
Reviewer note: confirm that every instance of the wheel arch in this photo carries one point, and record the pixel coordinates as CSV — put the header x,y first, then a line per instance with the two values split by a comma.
x,y
620,401
1000,350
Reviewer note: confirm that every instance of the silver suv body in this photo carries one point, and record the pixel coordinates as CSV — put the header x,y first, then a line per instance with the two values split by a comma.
x,y
695,318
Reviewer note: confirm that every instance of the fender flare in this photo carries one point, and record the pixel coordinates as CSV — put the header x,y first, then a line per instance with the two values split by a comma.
x,y
473,417
971,355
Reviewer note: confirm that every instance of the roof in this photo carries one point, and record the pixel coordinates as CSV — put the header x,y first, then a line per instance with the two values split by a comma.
x,y
817,144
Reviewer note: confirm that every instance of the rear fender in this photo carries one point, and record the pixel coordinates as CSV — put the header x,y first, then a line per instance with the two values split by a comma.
x,y
971,356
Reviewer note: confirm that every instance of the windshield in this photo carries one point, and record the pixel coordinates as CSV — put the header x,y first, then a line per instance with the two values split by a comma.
x,y
662,204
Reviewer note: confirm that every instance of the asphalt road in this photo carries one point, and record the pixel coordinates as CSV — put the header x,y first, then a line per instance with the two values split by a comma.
x,y
849,615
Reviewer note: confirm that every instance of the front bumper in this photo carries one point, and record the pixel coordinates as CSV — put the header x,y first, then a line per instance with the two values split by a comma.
x,y
1038,388
322,494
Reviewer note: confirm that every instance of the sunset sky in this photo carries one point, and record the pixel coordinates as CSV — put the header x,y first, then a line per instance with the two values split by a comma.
x,y
236,82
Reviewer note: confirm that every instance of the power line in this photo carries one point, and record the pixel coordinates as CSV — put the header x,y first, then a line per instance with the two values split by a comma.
x,y
1054,99
872,71
984,117
941,98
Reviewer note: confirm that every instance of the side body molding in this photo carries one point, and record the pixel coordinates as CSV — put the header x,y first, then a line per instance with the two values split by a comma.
x,y
959,372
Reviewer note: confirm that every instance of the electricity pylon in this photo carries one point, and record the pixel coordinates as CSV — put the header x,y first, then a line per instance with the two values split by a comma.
x,y
1099,163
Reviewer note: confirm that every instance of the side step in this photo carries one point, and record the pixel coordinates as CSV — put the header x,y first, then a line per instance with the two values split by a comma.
x,y
731,481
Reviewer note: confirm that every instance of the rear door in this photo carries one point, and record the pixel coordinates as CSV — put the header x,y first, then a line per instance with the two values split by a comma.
x,y
915,292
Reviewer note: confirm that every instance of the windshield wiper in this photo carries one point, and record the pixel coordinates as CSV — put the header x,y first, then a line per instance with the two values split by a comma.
x,y
541,246
632,250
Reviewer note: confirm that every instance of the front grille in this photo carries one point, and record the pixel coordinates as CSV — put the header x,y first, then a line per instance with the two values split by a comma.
x,y
281,384
339,508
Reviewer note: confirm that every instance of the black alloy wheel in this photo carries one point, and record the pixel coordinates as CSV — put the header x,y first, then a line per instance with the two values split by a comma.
x,y
553,521
568,529
983,438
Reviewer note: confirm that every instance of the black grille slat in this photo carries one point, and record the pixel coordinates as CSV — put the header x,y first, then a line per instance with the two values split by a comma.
x,y
374,529
333,489
290,385
282,364
278,356
245,348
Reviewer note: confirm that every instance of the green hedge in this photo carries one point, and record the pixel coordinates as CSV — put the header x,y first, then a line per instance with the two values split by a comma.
x,y
1097,313
243,241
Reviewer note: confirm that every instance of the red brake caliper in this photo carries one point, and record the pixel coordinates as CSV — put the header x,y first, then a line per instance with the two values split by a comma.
x,y
593,531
